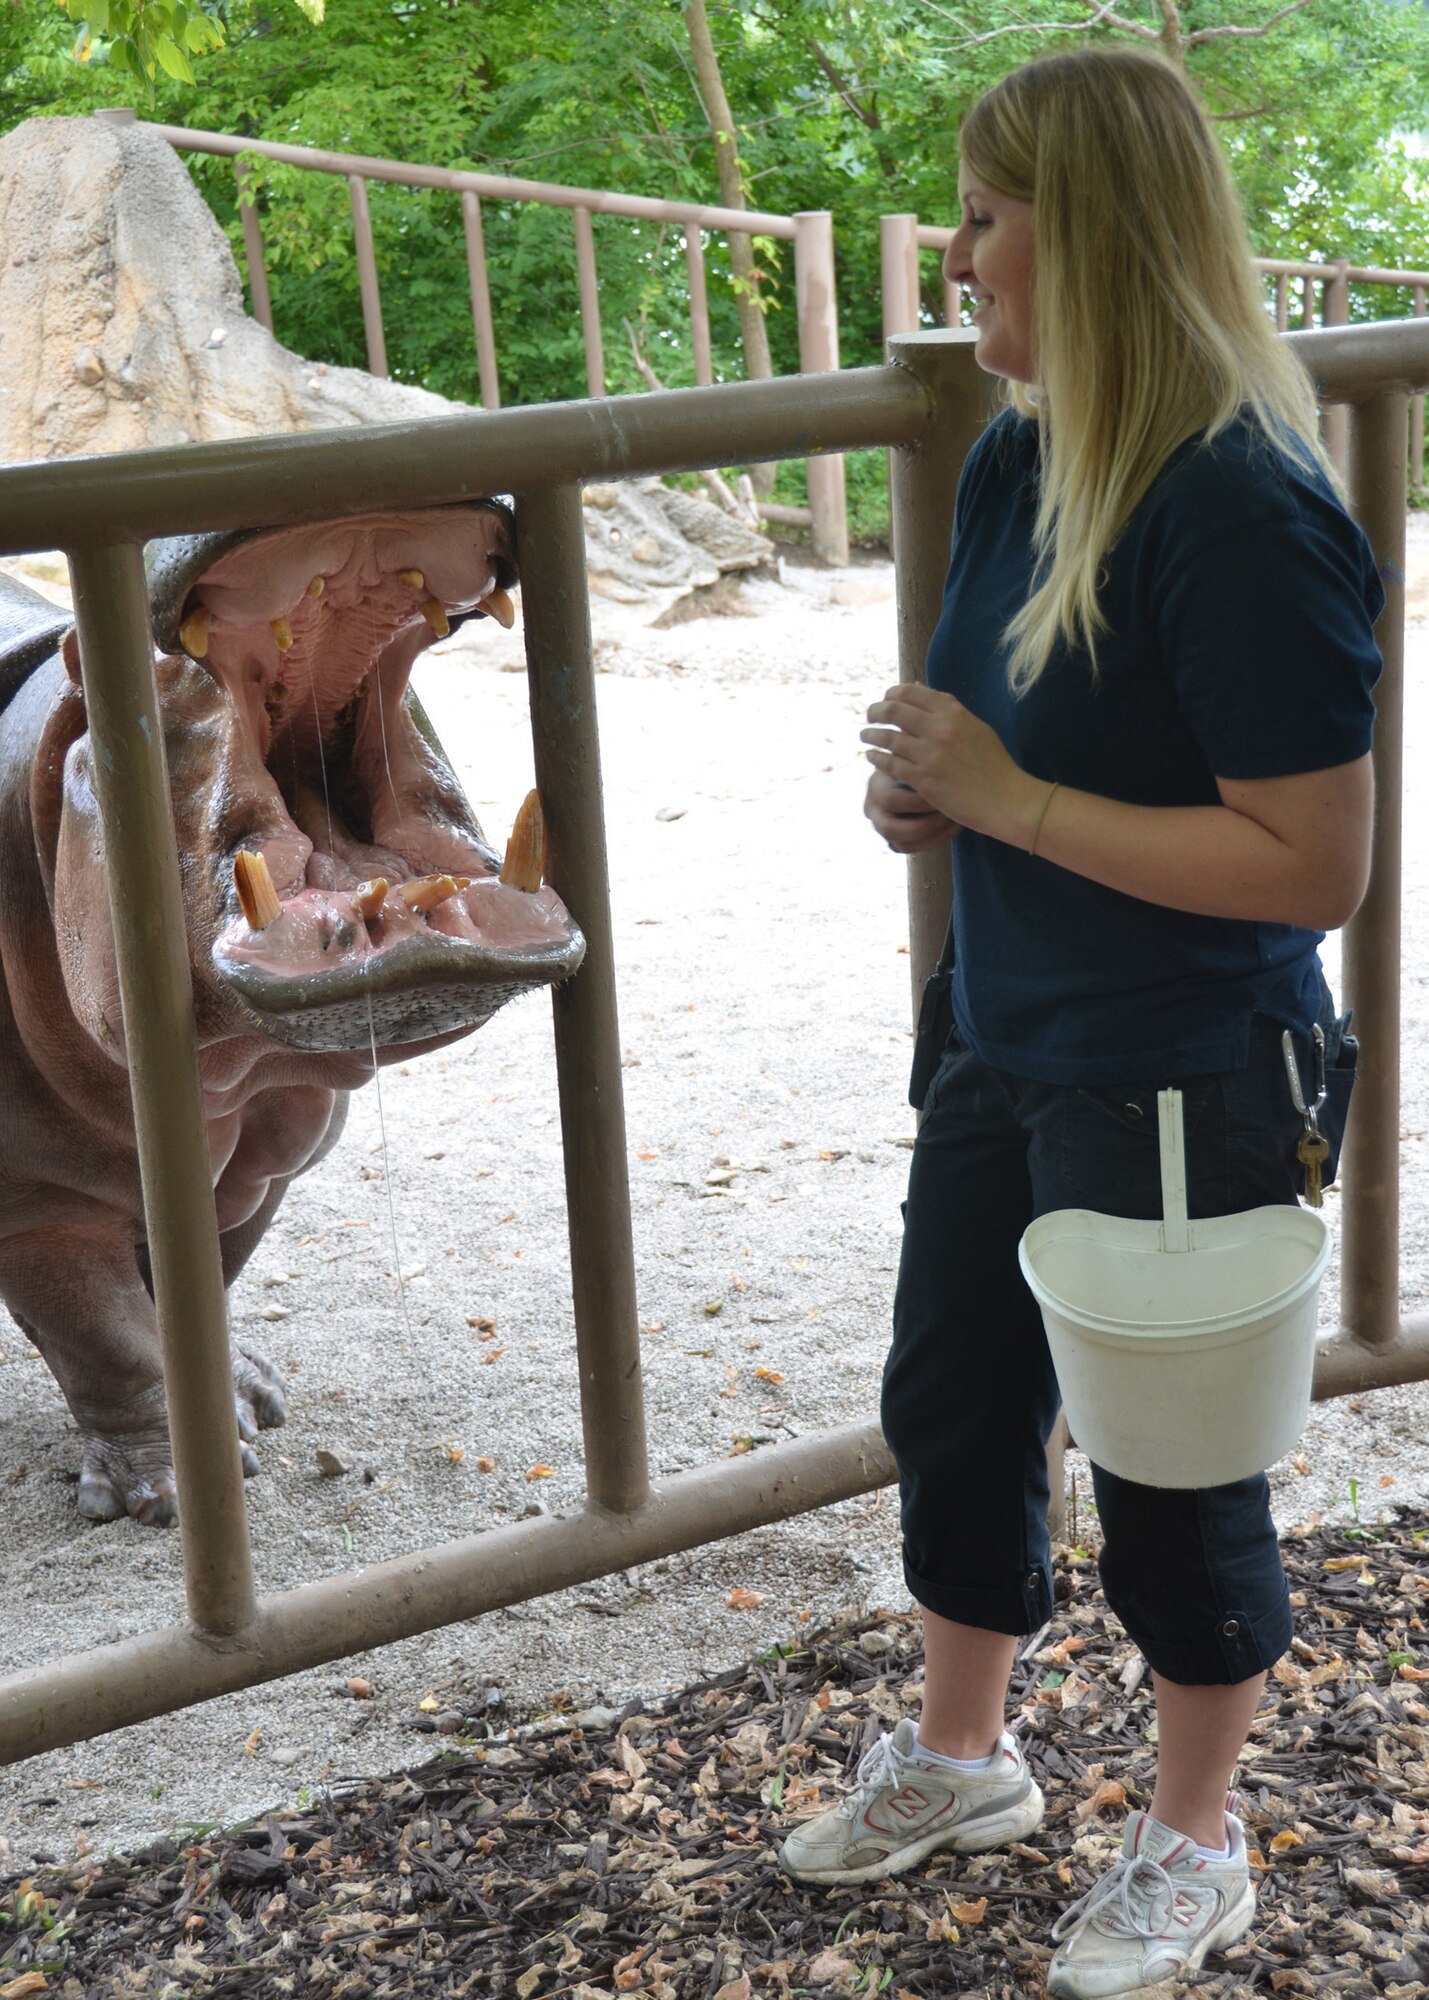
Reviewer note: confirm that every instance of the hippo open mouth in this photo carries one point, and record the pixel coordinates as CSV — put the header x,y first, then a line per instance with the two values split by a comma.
x,y
359,898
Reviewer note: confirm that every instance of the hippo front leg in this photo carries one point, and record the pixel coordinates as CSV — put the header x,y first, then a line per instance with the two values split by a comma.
x,y
77,1293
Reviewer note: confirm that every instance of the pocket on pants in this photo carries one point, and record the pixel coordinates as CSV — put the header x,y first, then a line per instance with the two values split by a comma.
x,y
1110,1147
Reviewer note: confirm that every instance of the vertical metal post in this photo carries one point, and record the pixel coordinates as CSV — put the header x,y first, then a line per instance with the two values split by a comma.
x,y
253,250
1370,1244
898,244
924,483
551,534
480,302
367,276
1337,313
1416,411
817,303
590,302
1282,302
699,305
131,785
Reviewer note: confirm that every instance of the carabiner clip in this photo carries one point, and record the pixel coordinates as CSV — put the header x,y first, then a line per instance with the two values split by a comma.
x,y
1309,1112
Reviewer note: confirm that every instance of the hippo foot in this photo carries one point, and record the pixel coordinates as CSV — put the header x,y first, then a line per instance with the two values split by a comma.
x,y
133,1473
258,1399
132,1476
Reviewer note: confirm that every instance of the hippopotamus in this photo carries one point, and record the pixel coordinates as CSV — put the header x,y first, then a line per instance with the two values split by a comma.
x,y
342,907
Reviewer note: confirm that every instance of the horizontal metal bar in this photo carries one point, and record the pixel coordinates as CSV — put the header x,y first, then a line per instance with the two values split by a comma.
x,y
323,475
933,236
114,1686
1350,364
1345,1366
500,187
1359,274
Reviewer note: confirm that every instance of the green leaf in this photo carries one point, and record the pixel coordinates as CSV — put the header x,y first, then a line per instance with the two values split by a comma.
x,y
172,59
313,10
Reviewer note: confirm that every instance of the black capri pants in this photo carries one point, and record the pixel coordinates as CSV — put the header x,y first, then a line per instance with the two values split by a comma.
x,y
969,1391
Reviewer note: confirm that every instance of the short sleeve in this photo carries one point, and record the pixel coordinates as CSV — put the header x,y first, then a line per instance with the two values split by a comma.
x,y
1266,629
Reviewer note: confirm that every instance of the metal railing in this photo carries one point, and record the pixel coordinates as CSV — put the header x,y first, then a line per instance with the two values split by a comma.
x,y
811,234
903,238
930,404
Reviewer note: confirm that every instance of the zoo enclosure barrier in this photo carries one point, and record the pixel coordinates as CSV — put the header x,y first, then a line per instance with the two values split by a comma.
x,y
903,237
811,233
930,403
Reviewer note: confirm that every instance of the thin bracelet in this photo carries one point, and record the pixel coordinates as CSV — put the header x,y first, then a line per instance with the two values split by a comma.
x,y
1055,786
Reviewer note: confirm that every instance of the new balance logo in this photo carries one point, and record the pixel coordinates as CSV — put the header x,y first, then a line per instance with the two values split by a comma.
x,y
908,1803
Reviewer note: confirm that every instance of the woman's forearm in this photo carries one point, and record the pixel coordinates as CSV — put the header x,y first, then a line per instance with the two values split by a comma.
x,y
1211,860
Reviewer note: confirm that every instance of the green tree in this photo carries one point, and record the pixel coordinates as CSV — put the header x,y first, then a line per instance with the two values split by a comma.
x,y
848,105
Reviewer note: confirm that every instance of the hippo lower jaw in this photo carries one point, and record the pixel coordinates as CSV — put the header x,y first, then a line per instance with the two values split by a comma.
x,y
388,917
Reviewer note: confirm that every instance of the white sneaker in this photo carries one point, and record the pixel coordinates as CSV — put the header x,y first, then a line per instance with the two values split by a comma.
x,y
903,1806
1154,1915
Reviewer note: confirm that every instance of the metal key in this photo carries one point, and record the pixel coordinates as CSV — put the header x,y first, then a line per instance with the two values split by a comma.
x,y
1312,1150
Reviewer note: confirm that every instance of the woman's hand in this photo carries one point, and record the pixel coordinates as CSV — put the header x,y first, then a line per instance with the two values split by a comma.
x,y
956,765
903,818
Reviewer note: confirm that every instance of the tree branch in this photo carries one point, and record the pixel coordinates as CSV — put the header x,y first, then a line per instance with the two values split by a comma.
x,y
863,112
1095,19
1230,117
1199,35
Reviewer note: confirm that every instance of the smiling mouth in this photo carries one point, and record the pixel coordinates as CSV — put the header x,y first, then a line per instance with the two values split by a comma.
x,y
365,885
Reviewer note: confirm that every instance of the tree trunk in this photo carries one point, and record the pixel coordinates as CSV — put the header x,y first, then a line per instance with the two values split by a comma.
x,y
754,335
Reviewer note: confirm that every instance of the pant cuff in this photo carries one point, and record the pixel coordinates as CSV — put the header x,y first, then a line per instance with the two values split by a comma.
x,y
1021,1609
1235,1647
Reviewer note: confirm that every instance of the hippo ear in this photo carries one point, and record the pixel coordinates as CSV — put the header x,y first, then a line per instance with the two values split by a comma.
x,y
69,652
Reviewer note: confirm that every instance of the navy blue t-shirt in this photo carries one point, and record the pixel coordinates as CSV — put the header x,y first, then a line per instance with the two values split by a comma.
x,y
1240,600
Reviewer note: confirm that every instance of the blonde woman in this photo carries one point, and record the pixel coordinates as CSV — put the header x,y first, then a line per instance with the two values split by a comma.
x,y
1146,731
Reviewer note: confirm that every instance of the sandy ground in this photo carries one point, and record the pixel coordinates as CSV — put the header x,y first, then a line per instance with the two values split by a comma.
x,y
764,1005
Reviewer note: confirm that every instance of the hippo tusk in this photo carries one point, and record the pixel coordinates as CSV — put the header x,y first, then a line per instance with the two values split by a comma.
x,y
498,605
427,891
368,897
413,579
254,883
525,863
193,632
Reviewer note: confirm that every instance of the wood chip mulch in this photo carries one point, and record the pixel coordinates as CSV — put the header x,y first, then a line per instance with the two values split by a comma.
x,y
638,1858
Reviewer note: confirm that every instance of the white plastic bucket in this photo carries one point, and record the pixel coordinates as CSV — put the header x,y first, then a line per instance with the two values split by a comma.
x,y
1184,1350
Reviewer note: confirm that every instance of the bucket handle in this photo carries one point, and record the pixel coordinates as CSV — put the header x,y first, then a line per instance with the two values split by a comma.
x,y
1175,1231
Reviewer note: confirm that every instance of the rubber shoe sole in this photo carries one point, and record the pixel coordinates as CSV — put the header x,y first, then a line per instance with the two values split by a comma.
x,y
972,1837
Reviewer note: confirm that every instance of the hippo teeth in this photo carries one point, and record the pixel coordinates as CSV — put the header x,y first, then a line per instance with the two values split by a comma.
x,y
427,891
256,894
498,605
368,897
525,863
193,633
435,613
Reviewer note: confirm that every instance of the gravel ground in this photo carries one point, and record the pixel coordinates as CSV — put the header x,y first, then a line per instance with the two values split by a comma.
x,y
764,1000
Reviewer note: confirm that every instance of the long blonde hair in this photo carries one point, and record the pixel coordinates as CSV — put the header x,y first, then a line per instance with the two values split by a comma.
x,y
1148,324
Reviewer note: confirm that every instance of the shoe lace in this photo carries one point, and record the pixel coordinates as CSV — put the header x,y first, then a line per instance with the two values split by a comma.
x,y
1134,1886
880,1765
